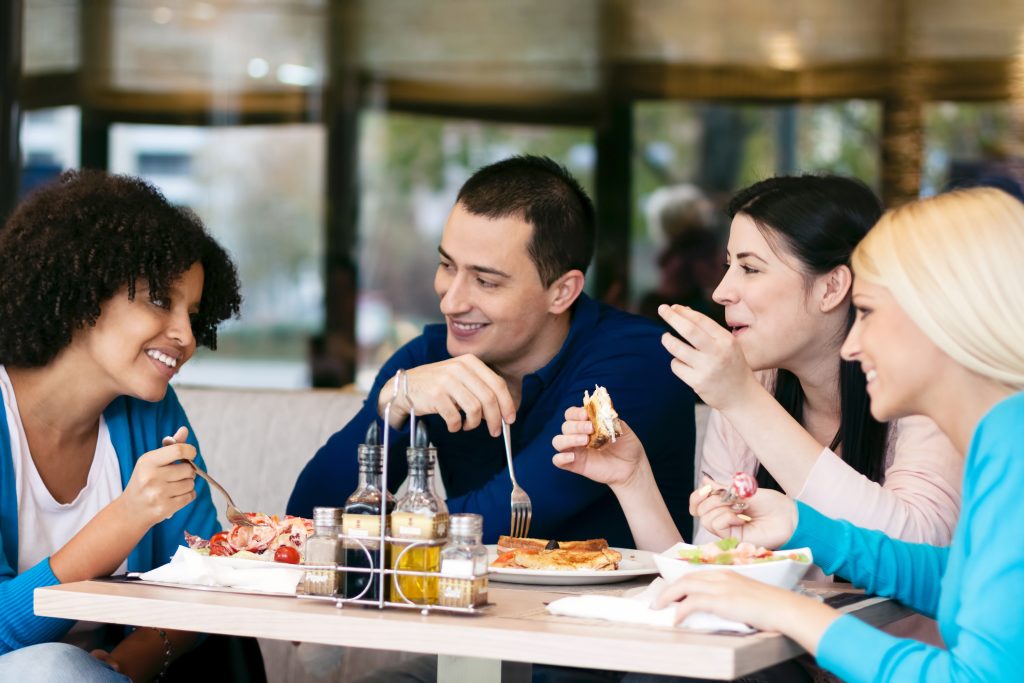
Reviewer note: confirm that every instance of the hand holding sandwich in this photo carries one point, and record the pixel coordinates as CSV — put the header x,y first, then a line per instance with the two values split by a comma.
x,y
622,464
451,388
617,464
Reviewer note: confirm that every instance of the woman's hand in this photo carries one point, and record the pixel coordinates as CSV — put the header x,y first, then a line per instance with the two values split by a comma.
x,y
768,520
160,485
617,464
708,357
768,608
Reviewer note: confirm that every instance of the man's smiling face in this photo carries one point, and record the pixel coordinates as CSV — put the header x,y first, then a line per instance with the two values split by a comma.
x,y
492,297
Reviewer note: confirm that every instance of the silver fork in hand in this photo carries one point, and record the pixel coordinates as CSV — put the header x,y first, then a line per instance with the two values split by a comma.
x,y
234,515
522,509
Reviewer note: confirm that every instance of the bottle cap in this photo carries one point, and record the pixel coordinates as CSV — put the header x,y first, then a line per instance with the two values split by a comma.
x,y
370,452
421,454
327,516
467,524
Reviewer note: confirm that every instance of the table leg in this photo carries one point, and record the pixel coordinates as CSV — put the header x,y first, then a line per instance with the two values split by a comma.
x,y
460,669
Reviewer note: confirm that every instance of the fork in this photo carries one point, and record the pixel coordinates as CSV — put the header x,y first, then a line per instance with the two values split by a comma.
x,y
234,515
522,509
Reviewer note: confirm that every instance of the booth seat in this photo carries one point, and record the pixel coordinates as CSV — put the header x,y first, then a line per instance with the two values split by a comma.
x,y
255,443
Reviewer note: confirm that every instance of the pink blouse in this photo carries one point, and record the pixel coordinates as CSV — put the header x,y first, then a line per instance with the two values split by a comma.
x,y
917,501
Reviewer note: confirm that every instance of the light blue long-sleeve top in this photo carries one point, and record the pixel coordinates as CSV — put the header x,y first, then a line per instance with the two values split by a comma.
x,y
974,588
136,427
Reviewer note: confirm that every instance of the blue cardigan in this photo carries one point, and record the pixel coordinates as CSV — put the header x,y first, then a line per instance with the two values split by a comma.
x,y
971,587
604,346
136,427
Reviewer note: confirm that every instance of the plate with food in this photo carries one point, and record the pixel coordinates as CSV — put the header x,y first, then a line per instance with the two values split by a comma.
x,y
566,563
263,558
783,568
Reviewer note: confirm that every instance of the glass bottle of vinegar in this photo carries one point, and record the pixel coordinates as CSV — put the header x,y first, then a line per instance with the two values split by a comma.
x,y
419,516
361,523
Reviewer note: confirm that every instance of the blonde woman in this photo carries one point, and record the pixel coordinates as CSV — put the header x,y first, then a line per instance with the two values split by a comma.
x,y
938,333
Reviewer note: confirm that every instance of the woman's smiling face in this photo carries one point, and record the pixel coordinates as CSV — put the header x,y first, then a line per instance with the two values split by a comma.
x,y
899,362
137,344
767,299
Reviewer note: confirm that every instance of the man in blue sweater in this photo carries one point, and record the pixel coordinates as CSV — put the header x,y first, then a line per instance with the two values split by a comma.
x,y
521,342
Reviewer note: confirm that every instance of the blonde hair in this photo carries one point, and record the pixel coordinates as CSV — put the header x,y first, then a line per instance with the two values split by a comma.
x,y
955,264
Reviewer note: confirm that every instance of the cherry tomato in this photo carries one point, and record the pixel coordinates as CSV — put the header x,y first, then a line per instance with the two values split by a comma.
x,y
221,551
287,554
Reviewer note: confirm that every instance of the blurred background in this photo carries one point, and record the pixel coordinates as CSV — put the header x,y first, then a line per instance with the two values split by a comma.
x,y
323,141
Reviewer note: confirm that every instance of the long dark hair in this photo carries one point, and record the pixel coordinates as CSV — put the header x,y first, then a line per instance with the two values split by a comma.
x,y
819,220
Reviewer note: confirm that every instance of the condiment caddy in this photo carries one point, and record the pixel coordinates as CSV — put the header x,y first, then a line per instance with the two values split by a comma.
x,y
380,552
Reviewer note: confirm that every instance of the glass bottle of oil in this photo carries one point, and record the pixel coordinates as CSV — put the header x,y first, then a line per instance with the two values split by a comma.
x,y
419,516
361,524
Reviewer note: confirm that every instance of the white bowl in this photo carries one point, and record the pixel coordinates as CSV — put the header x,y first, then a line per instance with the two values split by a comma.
x,y
781,573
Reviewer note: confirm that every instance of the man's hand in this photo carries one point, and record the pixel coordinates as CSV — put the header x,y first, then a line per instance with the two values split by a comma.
x,y
449,388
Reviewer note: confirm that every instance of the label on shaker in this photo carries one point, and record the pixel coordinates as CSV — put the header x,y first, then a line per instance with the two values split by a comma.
x,y
460,569
360,526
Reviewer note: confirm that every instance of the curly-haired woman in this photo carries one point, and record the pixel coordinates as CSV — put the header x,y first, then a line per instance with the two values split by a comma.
x,y
106,290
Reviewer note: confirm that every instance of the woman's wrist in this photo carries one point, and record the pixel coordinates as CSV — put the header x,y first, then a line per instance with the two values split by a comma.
x,y
743,397
639,483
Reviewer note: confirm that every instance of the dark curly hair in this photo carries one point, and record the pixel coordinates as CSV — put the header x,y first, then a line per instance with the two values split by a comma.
x,y
73,244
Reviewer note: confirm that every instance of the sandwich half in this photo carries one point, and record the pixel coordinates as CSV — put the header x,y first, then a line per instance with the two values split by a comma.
x,y
603,416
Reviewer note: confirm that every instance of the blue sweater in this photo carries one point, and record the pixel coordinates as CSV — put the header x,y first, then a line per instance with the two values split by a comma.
x,y
604,346
971,588
136,427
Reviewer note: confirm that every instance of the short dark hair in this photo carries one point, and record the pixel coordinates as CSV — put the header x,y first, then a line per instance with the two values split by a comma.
x,y
544,194
73,244
820,219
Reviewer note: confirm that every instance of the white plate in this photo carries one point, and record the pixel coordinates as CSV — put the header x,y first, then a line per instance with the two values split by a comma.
x,y
634,563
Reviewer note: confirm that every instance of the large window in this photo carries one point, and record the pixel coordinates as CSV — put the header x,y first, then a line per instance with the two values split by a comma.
x,y
49,144
260,191
968,142
411,168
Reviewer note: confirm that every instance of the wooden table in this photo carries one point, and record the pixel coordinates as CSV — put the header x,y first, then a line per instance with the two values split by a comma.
x,y
515,629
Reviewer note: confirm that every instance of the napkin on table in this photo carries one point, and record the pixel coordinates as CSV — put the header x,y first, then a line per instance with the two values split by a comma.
x,y
636,609
188,567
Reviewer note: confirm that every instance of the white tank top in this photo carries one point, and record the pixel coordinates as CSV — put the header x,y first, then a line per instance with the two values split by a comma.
x,y
44,525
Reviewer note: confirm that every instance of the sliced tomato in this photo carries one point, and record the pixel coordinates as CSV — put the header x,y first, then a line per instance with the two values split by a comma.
x,y
287,554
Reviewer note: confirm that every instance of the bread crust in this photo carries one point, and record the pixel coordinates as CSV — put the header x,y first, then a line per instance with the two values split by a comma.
x,y
605,430
507,543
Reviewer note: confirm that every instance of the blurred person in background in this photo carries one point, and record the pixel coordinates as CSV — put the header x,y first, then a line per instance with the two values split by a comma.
x,y
682,223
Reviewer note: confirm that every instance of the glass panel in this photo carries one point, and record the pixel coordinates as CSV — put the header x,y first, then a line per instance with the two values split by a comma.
x,y
411,168
690,157
970,142
259,189
225,46
49,144
51,39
